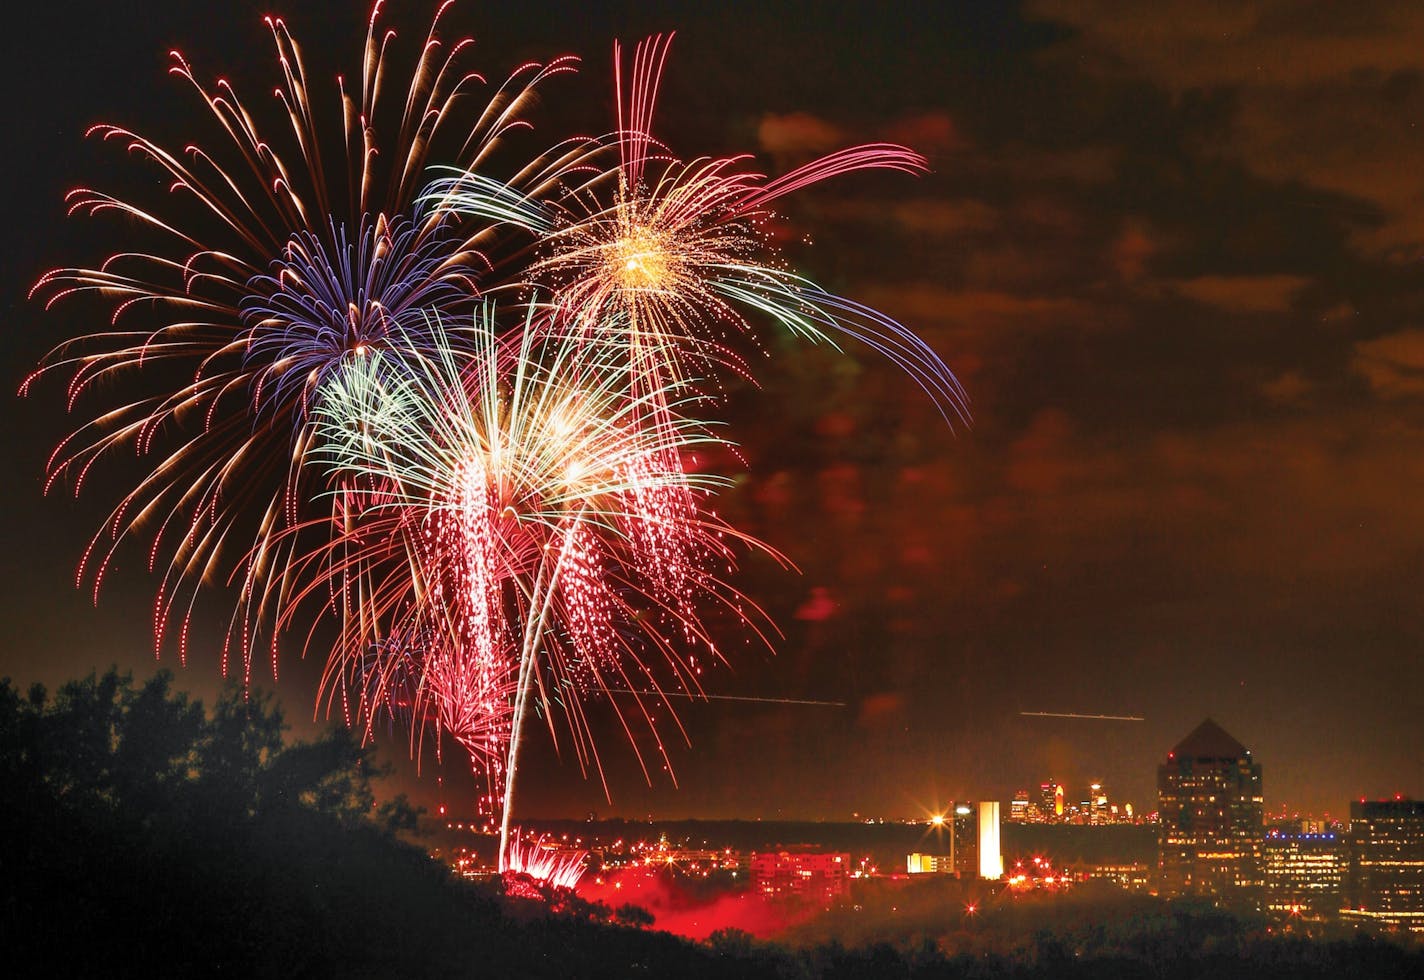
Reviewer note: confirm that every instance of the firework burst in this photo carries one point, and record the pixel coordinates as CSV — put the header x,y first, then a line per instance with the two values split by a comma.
x,y
675,253
271,272
505,520
514,515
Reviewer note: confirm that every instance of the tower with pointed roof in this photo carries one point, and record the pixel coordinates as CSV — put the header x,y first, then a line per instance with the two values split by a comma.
x,y
1210,812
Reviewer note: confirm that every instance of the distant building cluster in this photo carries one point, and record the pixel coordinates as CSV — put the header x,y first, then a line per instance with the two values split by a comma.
x,y
1213,842
1054,804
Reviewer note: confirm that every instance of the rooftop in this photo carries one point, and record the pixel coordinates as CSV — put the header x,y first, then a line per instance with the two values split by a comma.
x,y
1209,741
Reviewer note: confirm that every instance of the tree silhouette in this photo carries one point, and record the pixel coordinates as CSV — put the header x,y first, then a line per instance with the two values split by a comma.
x,y
141,835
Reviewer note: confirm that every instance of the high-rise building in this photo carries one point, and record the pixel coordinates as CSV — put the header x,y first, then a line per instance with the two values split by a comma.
x,y
1210,818
970,834
1018,809
1050,801
964,840
1385,878
1304,871
991,857
1098,810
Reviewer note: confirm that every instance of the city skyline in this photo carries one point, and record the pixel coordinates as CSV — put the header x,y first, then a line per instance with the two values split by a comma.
x,y
1192,348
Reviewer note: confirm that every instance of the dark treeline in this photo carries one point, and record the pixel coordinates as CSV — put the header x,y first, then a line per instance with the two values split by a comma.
x,y
142,835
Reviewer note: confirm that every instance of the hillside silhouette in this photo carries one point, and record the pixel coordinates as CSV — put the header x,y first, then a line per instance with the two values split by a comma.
x,y
142,834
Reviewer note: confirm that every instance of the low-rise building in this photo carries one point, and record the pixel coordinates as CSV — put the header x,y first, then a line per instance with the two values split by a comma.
x,y
1384,883
1304,873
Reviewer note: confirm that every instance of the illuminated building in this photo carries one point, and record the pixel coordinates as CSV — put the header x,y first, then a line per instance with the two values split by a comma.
x,y
1385,878
929,864
1018,809
1132,875
991,858
815,876
1098,811
689,860
964,839
971,831
1304,872
1050,800
1210,824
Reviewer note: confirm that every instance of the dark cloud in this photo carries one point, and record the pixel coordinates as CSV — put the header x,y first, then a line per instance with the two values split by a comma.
x,y
1242,294
1393,365
794,136
1324,94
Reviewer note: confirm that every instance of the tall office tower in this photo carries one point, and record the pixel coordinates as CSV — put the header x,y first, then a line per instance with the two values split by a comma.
x,y
1098,809
991,858
1304,872
1046,800
964,828
1018,809
1210,819
1385,878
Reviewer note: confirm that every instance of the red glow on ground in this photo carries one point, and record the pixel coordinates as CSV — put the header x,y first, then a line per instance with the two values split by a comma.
x,y
679,910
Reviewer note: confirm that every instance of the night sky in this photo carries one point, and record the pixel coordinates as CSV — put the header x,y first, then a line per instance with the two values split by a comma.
x,y
1172,250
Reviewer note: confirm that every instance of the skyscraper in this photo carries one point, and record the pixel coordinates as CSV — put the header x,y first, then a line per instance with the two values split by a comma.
x,y
1050,801
1385,879
970,833
1018,809
991,858
1097,808
964,827
1210,806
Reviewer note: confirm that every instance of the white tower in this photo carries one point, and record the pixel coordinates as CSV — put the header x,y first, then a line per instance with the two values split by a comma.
x,y
991,860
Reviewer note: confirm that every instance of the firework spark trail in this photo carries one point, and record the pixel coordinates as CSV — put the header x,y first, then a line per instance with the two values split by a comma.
x,y
270,273
661,258
746,699
529,456
675,253
504,520
1079,717
548,865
